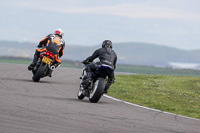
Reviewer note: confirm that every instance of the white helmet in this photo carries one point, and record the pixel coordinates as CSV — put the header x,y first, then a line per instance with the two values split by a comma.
x,y
59,32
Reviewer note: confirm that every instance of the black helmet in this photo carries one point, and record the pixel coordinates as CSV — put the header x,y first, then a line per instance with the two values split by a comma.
x,y
107,43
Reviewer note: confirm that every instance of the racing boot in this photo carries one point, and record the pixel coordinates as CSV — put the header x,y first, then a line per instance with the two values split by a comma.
x,y
32,65
108,84
50,73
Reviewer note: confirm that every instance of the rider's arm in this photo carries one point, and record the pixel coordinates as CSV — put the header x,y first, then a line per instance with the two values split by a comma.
x,y
115,60
43,42
61,52
94,56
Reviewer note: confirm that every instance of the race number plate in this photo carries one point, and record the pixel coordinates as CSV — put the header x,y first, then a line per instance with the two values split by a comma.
x,y
46,60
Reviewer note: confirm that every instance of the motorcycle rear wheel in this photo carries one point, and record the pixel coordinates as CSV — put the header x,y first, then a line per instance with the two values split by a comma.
x,y
36,77
97,91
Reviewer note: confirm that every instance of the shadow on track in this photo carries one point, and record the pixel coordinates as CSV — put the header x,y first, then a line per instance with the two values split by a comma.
x,y
29,80
14,79
63,99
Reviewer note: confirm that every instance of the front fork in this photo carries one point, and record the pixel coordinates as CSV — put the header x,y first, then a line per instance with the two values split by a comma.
x,y
86,89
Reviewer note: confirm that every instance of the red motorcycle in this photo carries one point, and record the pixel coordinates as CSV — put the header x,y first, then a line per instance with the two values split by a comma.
x,y
44,66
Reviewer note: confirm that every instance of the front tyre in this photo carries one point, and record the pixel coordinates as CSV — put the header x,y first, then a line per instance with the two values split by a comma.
x,y
80,94
36,77
97,91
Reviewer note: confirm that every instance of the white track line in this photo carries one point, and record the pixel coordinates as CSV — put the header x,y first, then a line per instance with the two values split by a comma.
x,y
149,108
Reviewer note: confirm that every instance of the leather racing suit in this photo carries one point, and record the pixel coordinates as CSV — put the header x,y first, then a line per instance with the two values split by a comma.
x,y
53,43
106,56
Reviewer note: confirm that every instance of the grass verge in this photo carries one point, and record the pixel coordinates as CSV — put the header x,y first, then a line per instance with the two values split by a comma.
x,y
120,68
175,94
157,71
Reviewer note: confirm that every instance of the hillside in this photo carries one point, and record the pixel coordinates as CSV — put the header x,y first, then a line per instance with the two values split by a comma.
x,y
128,53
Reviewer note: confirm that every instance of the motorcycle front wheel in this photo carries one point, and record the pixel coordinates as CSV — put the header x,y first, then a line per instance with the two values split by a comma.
x,y
80,93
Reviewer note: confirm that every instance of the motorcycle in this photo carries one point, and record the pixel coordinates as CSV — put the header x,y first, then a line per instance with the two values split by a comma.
x,y
43,66
95,89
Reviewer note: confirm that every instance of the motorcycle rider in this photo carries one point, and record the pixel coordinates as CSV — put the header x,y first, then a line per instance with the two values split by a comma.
x,y
106,56
53,43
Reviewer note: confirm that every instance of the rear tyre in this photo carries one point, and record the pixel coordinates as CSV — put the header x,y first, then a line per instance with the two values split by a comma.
x,y
97,91
36,77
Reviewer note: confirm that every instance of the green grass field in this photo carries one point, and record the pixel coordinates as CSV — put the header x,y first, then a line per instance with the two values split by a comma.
x,y
157,71
175,94
70,64
17,61
120,68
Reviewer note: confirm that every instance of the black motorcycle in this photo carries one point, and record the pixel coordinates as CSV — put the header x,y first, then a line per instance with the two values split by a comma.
x,y
95,89
43,66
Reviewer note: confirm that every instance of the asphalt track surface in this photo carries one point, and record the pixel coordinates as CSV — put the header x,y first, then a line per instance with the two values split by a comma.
x,y
51,106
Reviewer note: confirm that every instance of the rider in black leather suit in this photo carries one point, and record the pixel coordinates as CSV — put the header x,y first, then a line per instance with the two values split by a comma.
x,y
106,56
